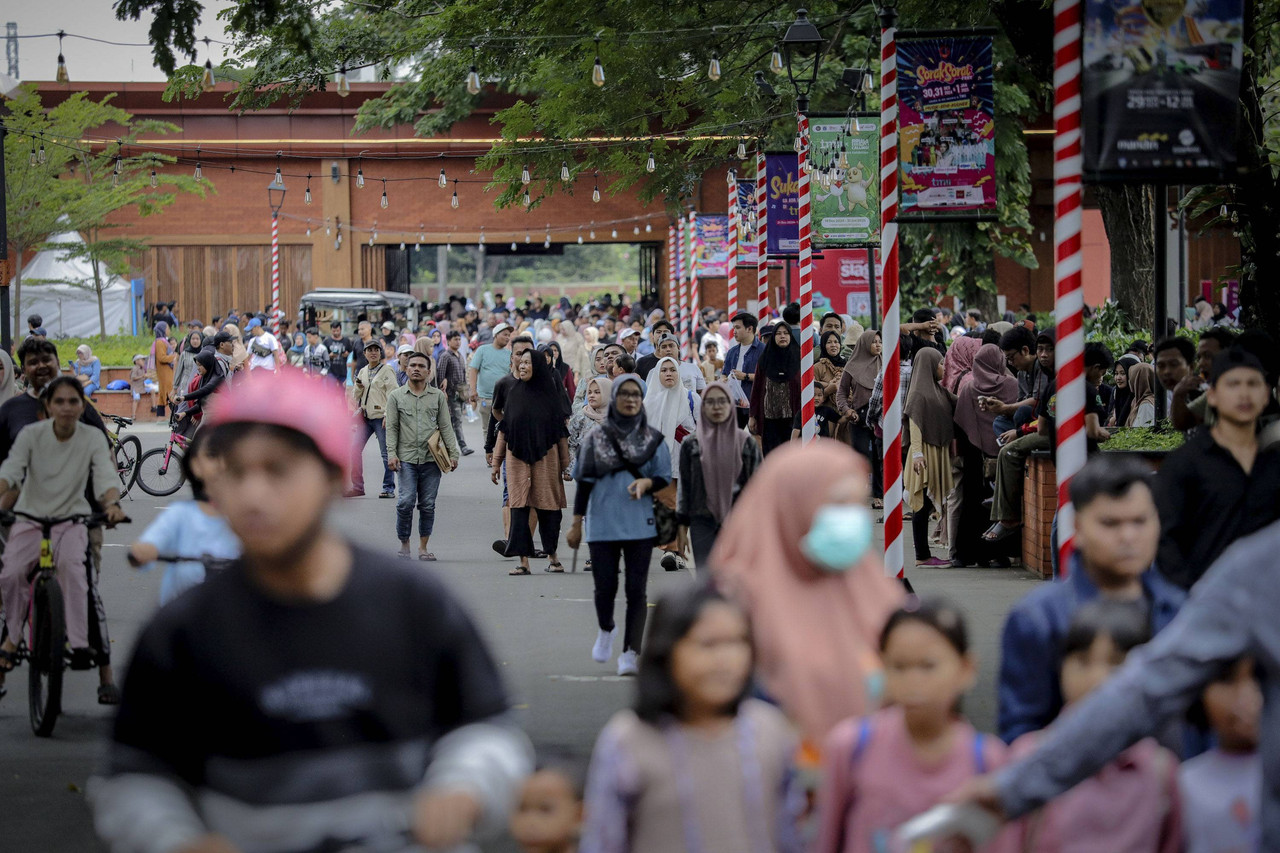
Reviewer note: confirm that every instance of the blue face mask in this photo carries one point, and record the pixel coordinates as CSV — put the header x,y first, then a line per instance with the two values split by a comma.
x,y
839,537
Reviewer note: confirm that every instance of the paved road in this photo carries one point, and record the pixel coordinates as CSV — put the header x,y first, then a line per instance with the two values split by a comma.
x,y
541,628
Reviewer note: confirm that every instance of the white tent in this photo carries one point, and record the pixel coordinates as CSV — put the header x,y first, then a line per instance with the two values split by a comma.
x,y
71,311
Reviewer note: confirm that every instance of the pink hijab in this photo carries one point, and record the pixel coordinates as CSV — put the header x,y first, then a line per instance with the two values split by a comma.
x,y
990,378
720,446
959,362
816,633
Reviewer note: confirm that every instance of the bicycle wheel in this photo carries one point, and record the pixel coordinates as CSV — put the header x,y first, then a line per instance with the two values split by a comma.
x,y
155,477
128,452
49,635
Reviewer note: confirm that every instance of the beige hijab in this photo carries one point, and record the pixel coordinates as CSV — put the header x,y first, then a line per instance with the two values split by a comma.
x,y
8,383
864,368
1142,385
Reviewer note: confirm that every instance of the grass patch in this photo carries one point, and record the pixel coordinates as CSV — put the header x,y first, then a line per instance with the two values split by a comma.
x,y
112,351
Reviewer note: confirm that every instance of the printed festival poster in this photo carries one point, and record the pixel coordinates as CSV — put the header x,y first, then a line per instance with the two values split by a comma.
x,y
845,182
1161,89
947,145
748,250
711,245
782,198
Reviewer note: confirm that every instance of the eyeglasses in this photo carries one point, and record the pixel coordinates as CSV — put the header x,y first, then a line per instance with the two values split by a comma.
x,y
630,395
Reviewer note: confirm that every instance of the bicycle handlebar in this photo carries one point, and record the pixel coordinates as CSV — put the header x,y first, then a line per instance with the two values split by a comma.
x,y
120,420
8,515
210,562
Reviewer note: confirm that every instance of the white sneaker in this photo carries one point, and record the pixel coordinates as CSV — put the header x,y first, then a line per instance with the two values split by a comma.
x,y
627,663
603,649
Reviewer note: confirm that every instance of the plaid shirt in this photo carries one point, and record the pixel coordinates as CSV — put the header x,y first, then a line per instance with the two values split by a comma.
x,y
452,371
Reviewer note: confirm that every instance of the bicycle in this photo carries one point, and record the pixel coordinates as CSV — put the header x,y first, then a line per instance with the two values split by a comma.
x,y
127,451
45,645
159,472
211,563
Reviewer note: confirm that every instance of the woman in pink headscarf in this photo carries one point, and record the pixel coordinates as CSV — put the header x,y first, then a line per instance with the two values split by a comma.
x,y
797,554
957,369
959,362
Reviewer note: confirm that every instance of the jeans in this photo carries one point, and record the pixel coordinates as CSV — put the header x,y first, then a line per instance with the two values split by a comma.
x,y
1007,505
457,412
605,557
419,483
366,427
1022,417
91,389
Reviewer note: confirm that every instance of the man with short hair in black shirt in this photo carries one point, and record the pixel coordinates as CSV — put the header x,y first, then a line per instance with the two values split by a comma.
x,y
339,346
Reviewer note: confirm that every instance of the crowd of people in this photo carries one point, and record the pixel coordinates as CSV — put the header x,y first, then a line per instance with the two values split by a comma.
x,y
790,697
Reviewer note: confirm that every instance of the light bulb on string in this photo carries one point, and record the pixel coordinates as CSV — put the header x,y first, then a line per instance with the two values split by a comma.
x,y
344,85
206,81
199,173
155,182
115,173
448,247
713,70
473,76
454,201
546,243
481,235
31,161
513,245
597,70
384,194
42,158
595,191
402,245
648,228
360,177
421,236
650,164
843,160
417,247
62,76
614,234
443,181
524,175
564,171
592,235
868,83
525,199
635,230
775,61
731,178
306,196
742,150
327,230
308,227
526,238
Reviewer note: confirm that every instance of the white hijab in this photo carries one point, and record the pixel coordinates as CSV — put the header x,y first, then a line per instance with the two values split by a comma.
x,y
667,408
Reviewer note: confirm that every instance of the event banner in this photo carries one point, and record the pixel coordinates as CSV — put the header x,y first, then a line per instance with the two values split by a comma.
x,y
1161,89
748,251
782,198
711,245
947,145
845,180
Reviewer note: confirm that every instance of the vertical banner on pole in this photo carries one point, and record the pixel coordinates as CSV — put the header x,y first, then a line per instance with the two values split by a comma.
x,y
808,427
1068,165
275,274
673,274
762,239
695,302
892,423
731,280
682,318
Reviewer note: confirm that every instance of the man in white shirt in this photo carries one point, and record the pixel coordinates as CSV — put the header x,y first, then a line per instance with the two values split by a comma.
x,y
262,347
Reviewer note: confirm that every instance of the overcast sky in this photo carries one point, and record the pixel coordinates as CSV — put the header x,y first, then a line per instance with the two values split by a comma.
x,y
87,60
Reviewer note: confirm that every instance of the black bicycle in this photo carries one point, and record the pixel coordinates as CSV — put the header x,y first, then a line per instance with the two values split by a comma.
x,y
211,563
126,450
44,646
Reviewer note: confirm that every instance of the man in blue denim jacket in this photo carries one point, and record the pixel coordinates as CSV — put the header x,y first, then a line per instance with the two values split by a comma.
x,y
1117,535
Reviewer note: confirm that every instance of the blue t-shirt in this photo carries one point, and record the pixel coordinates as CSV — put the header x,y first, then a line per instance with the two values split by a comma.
x,y
183,528
612,514
491,365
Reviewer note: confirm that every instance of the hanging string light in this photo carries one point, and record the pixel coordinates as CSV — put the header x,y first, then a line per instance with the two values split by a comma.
x,y
327,230
306,196
579,235
592,235
597,70
199,173
799,143
31,161
360,175
62,76
524,175
731,178
546,243
402,245
453,202
595,191
526,238
525,199
513,246
648,228
775,61
443,182
344,85
650,165
843,161
421,236
155,182
564,171
713,70
635,230
384,194
481,235
308,227
473,76
279,179
115,173
614,234
207,82
742,149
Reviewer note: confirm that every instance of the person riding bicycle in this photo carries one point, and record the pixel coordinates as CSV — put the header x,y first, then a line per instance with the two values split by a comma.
x,y
209,380
52,461
314,695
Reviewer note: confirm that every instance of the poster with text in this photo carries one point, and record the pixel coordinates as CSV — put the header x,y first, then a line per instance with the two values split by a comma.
x,y
1161,89
845,181
711,245
782,198
946,143
748,250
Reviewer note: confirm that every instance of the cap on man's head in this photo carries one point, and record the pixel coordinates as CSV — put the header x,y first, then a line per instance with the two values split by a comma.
x,y
403,348
373,343
139,356
222,338
253,324
626,333
500,328
1232,359
388,326
665,338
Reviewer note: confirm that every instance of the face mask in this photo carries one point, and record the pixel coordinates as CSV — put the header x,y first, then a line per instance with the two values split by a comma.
x,y
839,536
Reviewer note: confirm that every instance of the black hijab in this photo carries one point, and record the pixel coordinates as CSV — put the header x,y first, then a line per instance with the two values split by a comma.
x,y
561,369
620,442
1123,399
779,363
837,359
534,416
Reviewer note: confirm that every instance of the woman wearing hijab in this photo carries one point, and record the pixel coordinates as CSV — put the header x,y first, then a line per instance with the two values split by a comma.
x,y
775,394
715,464
976,442
592,412
852,332
959,362
239,352
672,410
826,373
562,369
930,409
1122,400
1142,387
599,367
88,369
853,394
206,380
797,553
185,368
534,444
620,464
161,361
297,353
8,377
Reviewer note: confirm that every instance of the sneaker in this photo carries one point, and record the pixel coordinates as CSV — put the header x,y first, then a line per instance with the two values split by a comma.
x,y
672,563
628,664
934,563
467,451
603,649
387,495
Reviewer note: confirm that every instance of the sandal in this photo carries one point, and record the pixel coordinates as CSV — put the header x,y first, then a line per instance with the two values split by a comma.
x,y
108,694
10,658
1000,531
403,555
427,557
554,568
519,570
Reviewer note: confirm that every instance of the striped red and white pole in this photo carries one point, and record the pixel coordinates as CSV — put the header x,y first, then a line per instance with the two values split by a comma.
x,y
275,274
732,273
673,275
762,241
1068,260
682,321
808,426
695,296
892,423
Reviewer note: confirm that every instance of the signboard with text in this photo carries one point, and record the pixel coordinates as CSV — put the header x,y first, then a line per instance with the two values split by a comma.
x,y
782,196
845,181
711,245
748,250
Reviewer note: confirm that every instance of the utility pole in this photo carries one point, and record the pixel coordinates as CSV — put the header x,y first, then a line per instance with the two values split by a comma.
x,y
6,323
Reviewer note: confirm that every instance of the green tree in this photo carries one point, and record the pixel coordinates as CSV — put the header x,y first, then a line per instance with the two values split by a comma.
x,y
56,183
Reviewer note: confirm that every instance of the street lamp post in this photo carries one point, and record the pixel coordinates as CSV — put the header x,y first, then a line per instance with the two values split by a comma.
x,y
802,51
275,197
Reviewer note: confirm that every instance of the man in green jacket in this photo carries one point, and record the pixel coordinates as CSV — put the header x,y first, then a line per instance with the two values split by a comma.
x,y
415,411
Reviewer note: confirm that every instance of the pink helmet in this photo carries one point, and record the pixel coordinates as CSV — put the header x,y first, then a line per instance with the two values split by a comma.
x,y
290,399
